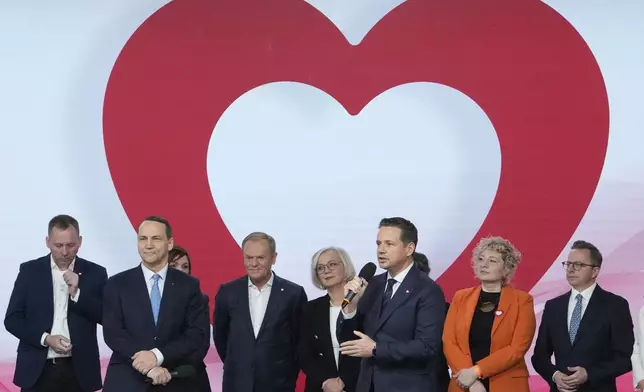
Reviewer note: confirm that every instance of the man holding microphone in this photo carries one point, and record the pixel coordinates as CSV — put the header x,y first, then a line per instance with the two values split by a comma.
x,y
396,323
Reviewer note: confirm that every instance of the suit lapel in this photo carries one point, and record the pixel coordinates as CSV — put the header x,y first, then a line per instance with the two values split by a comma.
x,y
79,268
244,305
403,292
141,297
167,296
274,302
562,319
468,312
505,304
48,285
379,288
322,327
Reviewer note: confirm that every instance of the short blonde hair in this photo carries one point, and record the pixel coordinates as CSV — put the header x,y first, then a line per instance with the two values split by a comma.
x,y
349,269
509,254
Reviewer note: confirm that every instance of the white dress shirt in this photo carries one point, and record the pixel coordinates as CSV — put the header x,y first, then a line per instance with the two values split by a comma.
x,y
398,278
257,302
149,282
334,312
586,294
59,325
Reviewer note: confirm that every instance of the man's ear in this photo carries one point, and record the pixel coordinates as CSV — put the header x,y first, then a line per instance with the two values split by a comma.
x,y
411,248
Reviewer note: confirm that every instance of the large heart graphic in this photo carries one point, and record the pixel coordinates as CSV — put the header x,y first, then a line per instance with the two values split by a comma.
x,y
524,65
301,161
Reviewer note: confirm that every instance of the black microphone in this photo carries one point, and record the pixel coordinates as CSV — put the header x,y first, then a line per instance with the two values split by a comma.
x,y
367,272
183,371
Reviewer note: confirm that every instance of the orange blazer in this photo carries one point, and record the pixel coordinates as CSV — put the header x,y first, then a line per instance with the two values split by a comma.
x,y
512,334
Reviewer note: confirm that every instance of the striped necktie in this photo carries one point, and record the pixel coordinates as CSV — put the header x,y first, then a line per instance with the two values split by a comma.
x,y
575,320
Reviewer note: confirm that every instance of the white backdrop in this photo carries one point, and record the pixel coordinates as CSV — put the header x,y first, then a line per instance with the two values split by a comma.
x,y
55,60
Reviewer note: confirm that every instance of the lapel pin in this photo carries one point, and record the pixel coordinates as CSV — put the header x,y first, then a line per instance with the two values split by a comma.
x,y
499,312
315,336
406,291
282,289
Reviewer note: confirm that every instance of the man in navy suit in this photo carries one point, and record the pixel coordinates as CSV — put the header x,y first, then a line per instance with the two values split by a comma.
x,y
588,329
396,323
154,320
54,308
256,323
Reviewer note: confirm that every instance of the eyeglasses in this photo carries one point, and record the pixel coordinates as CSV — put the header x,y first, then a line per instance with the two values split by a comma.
x,y
332,266
576,265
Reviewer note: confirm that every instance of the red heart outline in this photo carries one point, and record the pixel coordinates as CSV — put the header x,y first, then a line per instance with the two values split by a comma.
x,y
522,62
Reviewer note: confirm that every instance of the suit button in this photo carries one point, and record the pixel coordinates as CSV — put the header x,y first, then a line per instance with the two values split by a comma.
x,y
155,338
321,354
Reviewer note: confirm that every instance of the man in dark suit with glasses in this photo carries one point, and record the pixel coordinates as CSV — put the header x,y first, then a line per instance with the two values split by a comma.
x,y
589,330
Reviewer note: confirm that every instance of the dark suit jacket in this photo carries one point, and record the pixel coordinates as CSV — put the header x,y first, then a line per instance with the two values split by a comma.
x,y
442,368
316,350
31,313
129,327
198,356
407,331
603,345
268,363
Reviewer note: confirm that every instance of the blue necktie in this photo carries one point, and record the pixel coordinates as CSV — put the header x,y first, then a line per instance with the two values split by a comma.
x,y
155,297
575,320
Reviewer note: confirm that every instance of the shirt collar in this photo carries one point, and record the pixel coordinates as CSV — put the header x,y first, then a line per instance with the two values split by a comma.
x,y
54,266
586,294
268,284
401,275
148,273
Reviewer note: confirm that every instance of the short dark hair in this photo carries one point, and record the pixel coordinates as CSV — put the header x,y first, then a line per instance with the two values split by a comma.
x,y
178,252
422,262
595,254
408,232
162,220
63,222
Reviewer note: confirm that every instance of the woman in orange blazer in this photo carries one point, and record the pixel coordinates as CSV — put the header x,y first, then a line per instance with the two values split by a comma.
x,y
489,328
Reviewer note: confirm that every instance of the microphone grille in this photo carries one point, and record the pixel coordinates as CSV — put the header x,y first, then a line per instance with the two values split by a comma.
x,y
368,271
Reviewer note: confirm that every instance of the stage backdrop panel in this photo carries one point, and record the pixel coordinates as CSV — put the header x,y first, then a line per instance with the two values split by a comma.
x,y
313,120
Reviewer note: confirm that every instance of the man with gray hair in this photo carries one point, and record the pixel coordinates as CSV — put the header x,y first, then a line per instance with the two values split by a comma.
x,y
256,324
